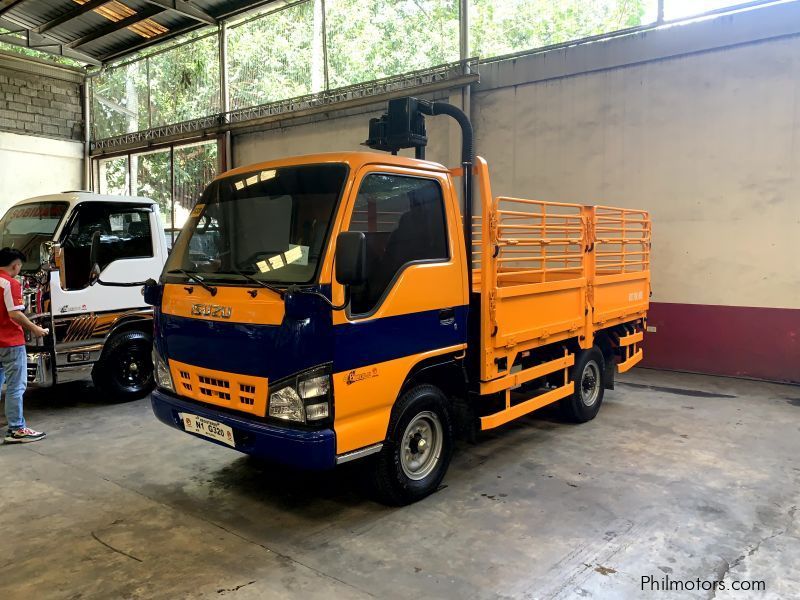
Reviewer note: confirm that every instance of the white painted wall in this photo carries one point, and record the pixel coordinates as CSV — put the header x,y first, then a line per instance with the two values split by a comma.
x,y
32,166
329,135
709,143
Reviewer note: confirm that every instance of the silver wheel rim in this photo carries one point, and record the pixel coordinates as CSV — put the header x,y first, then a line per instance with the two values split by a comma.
x,y
421,446
590,383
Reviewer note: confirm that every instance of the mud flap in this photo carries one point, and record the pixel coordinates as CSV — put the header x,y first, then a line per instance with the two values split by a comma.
x,y
608,376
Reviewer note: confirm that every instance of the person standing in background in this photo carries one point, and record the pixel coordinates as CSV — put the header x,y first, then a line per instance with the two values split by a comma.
x,y
13,358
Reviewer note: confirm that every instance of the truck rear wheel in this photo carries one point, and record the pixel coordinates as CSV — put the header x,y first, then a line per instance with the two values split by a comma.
x,y
417,452
125,371
588,374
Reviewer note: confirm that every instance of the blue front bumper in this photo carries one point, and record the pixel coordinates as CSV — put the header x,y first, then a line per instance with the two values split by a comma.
x,y
293,447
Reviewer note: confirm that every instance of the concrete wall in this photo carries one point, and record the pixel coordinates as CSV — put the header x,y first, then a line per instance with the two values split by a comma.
x,y
707,141
41,123
31,166
39,99
344,130
697,123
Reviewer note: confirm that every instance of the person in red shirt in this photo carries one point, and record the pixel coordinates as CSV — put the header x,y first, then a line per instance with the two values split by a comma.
x,y
13,358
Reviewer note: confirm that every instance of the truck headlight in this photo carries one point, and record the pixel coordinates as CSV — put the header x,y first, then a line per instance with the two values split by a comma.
x,y
314,387
161,371
306,398
286,404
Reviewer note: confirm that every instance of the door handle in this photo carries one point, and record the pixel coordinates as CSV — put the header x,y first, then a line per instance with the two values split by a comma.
x,y
447,316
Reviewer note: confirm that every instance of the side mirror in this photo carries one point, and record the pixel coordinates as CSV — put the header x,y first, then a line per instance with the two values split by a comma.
x,y
152,292
351,258
47,256
94,258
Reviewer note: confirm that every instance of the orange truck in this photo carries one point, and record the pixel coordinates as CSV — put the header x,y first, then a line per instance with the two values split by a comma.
x,y
321,309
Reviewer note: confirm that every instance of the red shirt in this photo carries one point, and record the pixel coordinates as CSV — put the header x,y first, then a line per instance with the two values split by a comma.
x,y
10,333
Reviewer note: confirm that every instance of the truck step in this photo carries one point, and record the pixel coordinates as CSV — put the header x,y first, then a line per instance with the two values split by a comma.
x,y
509,414
631,361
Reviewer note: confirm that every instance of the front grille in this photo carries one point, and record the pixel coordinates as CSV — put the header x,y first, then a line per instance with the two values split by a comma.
x,y
239,392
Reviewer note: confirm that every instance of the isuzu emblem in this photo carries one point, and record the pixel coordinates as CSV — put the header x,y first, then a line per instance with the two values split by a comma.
x,y
212,310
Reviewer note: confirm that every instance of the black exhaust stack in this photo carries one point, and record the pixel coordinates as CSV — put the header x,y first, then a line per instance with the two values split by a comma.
x,y
403,126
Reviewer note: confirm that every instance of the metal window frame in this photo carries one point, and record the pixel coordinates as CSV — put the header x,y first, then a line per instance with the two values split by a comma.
x,y
227,119
222,166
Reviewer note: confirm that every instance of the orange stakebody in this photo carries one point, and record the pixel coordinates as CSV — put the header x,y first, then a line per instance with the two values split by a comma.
x,y
550,272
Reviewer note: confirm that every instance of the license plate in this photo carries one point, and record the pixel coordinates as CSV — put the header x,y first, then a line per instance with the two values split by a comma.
x,y
208,428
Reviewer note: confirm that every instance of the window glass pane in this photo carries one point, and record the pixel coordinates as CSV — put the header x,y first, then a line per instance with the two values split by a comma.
x,y
184,82
195,167
498,28
270,225
27,226
119,100
276,56
403,220
677,9
152,180
124,233
113,176
371,39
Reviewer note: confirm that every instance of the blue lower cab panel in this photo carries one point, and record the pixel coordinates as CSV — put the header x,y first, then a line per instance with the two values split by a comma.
x,y
292,447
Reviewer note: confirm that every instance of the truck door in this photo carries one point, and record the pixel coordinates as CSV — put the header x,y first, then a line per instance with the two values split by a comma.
x,y
412,306
127,253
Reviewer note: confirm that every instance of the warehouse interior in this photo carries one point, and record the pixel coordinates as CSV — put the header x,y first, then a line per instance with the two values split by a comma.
x,y
685,485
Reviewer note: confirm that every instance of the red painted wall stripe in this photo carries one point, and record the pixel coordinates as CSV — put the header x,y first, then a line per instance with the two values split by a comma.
x,y
725,340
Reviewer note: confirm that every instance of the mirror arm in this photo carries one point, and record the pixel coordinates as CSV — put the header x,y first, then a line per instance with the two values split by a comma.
x,y
297,289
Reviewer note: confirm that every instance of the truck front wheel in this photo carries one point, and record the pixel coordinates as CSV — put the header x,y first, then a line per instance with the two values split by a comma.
x,y
417,451
588,376
125,371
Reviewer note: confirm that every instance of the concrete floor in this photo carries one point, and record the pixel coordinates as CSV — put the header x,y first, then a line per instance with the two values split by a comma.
x,y
680,475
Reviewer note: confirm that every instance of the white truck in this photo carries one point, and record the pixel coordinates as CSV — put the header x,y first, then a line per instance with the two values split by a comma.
x,y
96,332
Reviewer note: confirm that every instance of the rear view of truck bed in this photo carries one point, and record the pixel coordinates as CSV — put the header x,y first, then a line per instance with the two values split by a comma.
x,y
554,279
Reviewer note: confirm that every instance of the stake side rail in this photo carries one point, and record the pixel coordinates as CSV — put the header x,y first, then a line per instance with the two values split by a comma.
x,y
550,272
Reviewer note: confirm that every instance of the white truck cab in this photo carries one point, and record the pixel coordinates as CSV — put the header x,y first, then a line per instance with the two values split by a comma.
x,y
98,332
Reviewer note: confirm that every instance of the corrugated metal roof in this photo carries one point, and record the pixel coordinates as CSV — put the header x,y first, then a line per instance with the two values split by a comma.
x,y
98,31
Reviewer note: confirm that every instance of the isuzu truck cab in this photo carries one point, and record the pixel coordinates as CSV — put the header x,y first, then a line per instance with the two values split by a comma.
x,y
96,333
326,308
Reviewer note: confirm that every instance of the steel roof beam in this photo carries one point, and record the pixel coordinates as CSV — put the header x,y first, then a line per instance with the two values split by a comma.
x,y
115,54
187,10
7,5
39,42
73,14
101,32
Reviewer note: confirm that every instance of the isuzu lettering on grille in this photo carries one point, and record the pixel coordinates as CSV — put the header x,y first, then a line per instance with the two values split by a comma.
x,y
212,310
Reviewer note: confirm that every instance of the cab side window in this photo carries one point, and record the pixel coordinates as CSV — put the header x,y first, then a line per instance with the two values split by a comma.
x,y
124,233
403,219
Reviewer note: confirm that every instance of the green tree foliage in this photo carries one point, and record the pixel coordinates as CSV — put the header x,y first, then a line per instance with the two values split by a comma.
x,y
270,58
280,55
371,39
498,28
184,82
119,100
153,180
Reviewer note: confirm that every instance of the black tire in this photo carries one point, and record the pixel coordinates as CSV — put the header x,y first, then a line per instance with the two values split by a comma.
x,y
588,373
403,472
125,370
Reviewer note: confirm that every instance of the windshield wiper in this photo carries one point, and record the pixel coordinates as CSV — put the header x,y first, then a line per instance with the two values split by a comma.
x,y
194,277
263,284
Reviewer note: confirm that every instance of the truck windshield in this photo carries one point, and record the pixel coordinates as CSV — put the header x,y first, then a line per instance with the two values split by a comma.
x,y
269,224
26,226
